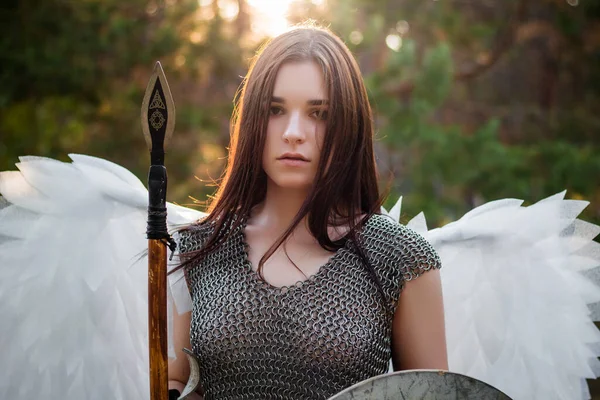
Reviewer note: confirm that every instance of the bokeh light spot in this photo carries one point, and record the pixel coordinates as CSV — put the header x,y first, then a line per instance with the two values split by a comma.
x,y
402,27
270,17
394,42
356,37
229,9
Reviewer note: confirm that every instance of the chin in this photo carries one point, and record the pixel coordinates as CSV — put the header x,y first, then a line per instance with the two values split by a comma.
x,y
291,182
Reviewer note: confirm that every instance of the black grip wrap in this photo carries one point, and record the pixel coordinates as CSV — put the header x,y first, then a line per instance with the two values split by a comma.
x,y
157,201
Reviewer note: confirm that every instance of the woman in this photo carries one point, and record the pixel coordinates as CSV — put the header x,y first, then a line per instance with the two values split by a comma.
x,y
299,287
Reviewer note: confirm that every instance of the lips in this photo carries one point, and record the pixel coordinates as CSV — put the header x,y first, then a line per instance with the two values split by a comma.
x,y
293,156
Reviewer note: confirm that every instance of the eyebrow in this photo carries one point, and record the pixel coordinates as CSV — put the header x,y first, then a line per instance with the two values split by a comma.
x,y
319,102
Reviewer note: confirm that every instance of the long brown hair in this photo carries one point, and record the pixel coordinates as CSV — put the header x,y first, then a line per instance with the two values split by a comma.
x,y
345,185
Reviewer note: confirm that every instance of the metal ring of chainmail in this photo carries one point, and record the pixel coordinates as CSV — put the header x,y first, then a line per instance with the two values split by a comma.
x,y
305,341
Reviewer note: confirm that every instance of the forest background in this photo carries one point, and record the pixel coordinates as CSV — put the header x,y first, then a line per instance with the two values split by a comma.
x,y
475,100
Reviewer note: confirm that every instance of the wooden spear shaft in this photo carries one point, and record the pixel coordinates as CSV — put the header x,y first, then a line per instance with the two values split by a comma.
x,y
158,122
157,319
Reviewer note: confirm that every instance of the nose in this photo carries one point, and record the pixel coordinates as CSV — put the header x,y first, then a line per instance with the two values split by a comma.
x,y
293,131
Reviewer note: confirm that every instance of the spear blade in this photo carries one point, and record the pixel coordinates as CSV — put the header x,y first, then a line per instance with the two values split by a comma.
x,y
158,114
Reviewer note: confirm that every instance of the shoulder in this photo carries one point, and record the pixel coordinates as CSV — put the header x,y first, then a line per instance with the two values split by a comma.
x,y
381,228
397,248
189,239
382,223
194,236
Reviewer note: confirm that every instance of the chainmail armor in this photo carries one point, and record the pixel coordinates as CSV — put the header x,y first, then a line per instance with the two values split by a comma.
x,y
305,341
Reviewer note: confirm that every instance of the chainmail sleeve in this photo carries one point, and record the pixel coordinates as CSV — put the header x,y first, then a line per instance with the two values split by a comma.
x,y
188,239
397,253
193,237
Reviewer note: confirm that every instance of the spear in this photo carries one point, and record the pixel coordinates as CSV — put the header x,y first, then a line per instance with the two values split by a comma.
x,y
158,122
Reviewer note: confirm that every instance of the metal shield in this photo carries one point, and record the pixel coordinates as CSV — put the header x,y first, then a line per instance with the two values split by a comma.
x,y
421,385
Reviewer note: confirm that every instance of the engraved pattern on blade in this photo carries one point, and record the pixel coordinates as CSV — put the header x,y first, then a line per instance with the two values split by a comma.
x,y
159,116
421,385
157,120
157,101
306,341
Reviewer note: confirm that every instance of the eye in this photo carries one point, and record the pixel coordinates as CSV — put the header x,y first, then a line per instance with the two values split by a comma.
x,y
276,110
320,114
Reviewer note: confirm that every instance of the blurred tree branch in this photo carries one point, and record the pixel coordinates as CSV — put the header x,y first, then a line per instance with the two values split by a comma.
x,y
506,38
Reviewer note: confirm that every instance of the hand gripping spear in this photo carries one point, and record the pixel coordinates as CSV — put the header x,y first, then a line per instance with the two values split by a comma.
x,y
158,122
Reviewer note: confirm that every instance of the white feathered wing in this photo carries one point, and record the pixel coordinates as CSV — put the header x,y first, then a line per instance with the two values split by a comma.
x,y
73,280
516,303
515,299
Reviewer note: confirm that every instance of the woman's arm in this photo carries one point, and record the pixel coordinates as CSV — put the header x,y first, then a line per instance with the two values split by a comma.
x,y
179,369
418,334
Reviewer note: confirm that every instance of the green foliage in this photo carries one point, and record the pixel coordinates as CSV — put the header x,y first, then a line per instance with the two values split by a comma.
x,y
47,126
74,73
443,166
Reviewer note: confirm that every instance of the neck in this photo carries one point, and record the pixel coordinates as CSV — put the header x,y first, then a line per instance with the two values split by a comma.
x,y
279,208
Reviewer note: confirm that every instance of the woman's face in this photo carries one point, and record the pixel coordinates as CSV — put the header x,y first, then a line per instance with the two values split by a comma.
x,y
296,126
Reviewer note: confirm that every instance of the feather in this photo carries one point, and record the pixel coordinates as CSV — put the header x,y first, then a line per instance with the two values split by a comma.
x,y
516,304
73,280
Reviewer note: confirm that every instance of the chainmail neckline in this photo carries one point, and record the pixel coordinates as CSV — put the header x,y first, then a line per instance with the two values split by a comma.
x,y
312,279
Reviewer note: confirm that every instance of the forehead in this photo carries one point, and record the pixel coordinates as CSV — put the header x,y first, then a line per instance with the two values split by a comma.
x,y
302,80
